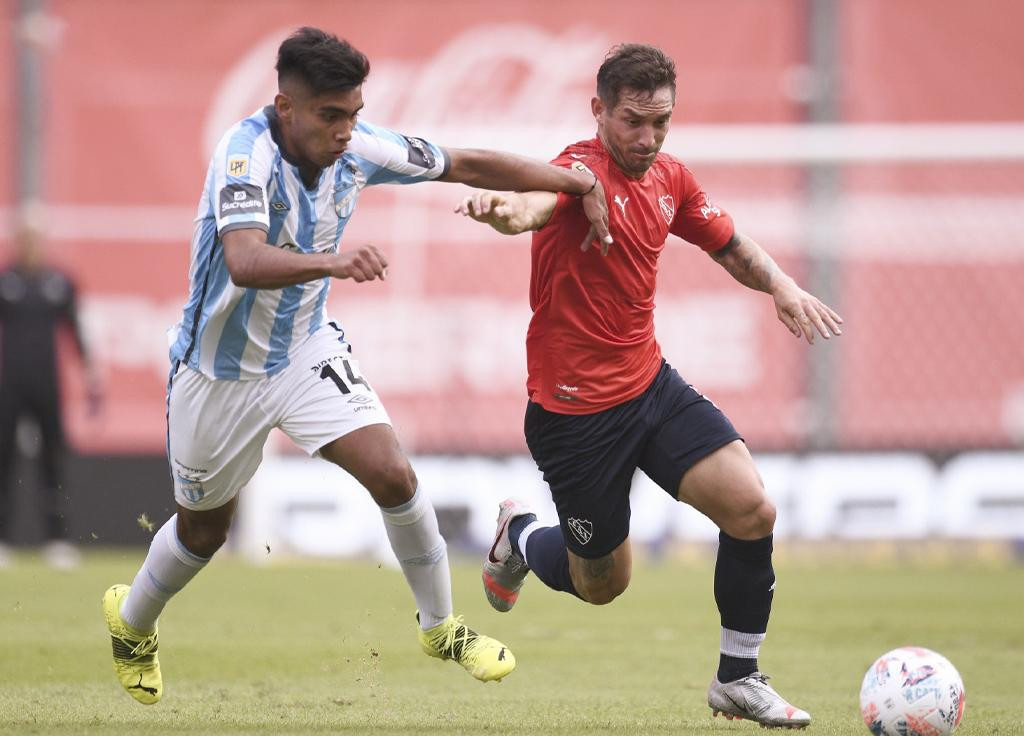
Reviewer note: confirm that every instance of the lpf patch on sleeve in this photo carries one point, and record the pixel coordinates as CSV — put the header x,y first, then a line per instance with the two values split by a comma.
x,y
240,199
238,165
419,152
580,166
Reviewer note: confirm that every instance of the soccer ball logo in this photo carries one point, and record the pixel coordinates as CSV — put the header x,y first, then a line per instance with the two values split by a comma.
x,y
912,692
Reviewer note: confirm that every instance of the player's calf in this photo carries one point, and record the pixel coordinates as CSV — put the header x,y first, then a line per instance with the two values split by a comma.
x,y
601,580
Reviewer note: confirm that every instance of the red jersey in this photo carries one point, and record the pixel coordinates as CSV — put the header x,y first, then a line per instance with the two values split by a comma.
x,y
590,345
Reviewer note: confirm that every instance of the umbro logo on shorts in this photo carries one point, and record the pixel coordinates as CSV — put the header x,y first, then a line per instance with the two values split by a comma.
x,y
582,529
360,399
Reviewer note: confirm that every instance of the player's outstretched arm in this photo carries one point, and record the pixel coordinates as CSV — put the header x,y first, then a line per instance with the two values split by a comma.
x,y
801,312
508,172
509,213
253,264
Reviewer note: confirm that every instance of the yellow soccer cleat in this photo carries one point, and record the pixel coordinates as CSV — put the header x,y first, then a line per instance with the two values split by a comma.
x,y
135,658
483,657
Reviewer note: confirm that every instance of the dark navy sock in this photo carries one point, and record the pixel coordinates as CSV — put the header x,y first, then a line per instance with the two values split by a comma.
x,y
515,528
744,583
744,586
549,559
733,668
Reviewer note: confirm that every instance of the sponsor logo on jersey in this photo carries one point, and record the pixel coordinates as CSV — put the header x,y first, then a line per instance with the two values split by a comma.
x,y
667,205
621,203
279,206
566,393
582,529
709,209
419,152
238,165
241,198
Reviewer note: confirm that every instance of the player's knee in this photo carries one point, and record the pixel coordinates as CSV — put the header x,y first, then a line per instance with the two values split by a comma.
x,y
202,539
394,483
757,521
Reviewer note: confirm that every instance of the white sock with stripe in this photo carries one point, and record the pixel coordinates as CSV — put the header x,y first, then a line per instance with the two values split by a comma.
x,y
167,569
423,555
740,644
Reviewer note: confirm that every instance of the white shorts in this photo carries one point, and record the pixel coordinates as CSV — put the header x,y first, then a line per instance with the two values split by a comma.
x,y
216,429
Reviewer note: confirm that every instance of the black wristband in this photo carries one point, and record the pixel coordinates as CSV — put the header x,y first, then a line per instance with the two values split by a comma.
x,y
592,186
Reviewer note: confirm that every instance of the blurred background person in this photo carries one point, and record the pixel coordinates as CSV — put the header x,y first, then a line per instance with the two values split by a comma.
x,y
37,301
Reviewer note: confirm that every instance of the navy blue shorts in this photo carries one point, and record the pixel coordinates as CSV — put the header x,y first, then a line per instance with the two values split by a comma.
x,y
588,460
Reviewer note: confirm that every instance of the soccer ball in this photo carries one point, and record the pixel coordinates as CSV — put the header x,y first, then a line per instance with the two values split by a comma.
x,y
912,692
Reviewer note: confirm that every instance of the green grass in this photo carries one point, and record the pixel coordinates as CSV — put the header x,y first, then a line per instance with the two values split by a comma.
x,y
316,648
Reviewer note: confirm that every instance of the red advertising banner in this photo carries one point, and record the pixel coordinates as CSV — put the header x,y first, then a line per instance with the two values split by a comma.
x,y
138,93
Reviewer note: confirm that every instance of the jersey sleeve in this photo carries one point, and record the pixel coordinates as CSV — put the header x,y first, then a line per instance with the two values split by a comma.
x,y
387,157
698,220
570,159
240,175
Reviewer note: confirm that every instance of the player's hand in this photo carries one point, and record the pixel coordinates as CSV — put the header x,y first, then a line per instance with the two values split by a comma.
x,y
595,207
495,209
804,314
365,263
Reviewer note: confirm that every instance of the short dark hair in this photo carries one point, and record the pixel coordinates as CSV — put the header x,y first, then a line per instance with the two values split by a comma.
x,y
320,61
635,66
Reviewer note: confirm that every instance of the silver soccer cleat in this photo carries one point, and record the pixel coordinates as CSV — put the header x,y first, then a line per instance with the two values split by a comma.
x,y
753,699
504,571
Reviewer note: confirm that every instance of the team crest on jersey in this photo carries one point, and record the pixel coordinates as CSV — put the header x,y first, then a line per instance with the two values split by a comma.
x,y
347,191
238,165
667,205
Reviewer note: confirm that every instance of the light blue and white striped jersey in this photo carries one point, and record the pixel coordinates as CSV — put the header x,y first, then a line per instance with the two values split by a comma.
x,y
237,333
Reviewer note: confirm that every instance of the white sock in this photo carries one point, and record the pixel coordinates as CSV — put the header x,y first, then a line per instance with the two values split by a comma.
x,y
740,644
525,535
423,555
168,567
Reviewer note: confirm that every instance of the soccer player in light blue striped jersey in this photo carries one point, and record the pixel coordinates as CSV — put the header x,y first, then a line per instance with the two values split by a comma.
x,y
254,349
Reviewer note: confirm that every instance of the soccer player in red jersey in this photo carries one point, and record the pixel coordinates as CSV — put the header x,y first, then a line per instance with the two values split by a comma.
x,y
604,402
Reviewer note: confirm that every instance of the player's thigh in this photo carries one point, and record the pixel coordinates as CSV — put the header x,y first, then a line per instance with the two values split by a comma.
x,y
588,462
329,409
373,457
215,436
726,487
694,453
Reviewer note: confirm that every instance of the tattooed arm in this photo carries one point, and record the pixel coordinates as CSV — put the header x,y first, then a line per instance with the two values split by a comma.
x,y
801,312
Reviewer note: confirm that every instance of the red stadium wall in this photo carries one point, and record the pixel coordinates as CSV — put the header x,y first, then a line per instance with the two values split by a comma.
x,y
130,126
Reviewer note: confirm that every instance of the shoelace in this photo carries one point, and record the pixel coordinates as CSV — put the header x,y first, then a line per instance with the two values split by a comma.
x,y
132,649
145,646
456,640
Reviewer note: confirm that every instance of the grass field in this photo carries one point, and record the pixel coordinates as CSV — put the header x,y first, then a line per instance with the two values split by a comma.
x,y
330,647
